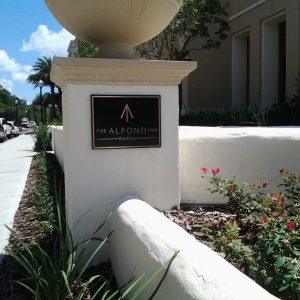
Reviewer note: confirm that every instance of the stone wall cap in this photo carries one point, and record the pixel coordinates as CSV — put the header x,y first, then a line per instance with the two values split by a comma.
x,y
119,71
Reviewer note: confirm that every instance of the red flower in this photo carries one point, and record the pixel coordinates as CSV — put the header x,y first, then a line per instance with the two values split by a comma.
x,y
231,188
275,214
291,225
264,184
293,174
276,197
204,169
262,221
215,171
281,170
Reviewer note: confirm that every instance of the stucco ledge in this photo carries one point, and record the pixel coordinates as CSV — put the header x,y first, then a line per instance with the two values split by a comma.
x,y
119,71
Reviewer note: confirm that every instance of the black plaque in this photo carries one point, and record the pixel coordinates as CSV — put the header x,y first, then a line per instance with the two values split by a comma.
x,y
125,121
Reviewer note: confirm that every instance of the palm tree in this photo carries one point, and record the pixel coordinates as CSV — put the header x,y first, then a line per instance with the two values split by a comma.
x,y
42,69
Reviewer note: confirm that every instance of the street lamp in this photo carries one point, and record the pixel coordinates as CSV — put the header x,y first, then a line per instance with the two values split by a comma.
x,y
40,84
16,102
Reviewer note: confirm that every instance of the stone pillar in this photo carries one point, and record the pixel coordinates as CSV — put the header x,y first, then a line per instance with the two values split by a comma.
x,y
96,179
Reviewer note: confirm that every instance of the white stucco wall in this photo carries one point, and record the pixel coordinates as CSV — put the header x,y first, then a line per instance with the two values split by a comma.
x,y
143,240
253,154
95,179
58,144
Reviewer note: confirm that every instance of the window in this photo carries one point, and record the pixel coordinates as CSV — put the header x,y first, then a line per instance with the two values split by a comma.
x,y
273,60
241,70
281,61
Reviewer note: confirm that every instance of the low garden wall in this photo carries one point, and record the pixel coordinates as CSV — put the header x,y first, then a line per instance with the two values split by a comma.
x,y
143,240
253,154
57,142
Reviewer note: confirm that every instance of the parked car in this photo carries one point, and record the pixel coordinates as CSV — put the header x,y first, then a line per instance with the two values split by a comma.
x,y
15,130
31,124
2,134
7,128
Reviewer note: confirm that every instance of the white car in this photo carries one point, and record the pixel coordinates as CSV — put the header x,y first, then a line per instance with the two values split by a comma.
x,y
7,128
15,130
31,124
2,134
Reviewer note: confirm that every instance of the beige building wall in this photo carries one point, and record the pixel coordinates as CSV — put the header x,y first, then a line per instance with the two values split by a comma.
x,y
209,86
260,19
244,71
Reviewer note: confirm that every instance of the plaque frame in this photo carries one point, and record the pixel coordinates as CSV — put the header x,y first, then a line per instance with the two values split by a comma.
x,y
93,97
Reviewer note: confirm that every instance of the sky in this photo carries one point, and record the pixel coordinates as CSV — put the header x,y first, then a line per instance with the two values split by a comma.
x,y
28,31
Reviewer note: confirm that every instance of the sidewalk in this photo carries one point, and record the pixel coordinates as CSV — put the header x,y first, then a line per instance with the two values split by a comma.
x,y
15,159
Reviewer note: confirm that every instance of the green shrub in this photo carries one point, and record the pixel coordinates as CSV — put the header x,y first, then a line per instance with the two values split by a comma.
x,y
42,138
61,274
56,122
53,274
252,117
56,269
42,197
280,114
264,240
288,111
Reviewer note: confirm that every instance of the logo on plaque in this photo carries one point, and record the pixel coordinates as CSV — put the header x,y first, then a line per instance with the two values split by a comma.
x,y
127,111
125,121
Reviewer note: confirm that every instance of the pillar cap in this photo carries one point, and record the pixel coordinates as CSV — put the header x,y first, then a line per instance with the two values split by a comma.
x,y
119,71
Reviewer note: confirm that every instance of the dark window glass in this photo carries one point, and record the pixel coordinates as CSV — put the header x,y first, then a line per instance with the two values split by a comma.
x,y
281,61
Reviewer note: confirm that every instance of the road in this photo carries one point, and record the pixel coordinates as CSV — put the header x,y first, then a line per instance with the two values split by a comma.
x,y
15,159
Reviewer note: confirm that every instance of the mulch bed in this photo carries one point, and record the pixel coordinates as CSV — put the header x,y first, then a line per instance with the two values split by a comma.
x,y
193,218
201,220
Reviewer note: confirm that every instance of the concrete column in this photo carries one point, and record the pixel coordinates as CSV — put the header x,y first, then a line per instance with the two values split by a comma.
x,y
95,180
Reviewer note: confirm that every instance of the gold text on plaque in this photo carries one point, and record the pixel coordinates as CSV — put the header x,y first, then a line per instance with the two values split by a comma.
x,y
126,113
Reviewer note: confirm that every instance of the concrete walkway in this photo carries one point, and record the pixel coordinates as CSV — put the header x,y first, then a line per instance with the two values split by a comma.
x,y
15,159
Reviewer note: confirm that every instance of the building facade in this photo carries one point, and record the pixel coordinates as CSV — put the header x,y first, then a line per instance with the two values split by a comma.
x,y
258,63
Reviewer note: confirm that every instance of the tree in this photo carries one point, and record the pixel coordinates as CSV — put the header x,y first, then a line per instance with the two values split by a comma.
x,y
202,20
36,106
8,103
42,69
85,49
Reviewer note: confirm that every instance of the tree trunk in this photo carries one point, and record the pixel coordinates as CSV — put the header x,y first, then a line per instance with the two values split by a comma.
x,y
59,101
53,110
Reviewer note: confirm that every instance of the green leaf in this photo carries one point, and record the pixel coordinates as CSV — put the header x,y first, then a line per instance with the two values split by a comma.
x,y
92,256
284,287
67,283
296,252
138,292
268,248
131,286
93,297
280,261
86,286
26,287
164,276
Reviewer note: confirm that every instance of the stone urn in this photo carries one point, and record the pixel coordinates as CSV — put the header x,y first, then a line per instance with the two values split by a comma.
x,y
115,26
